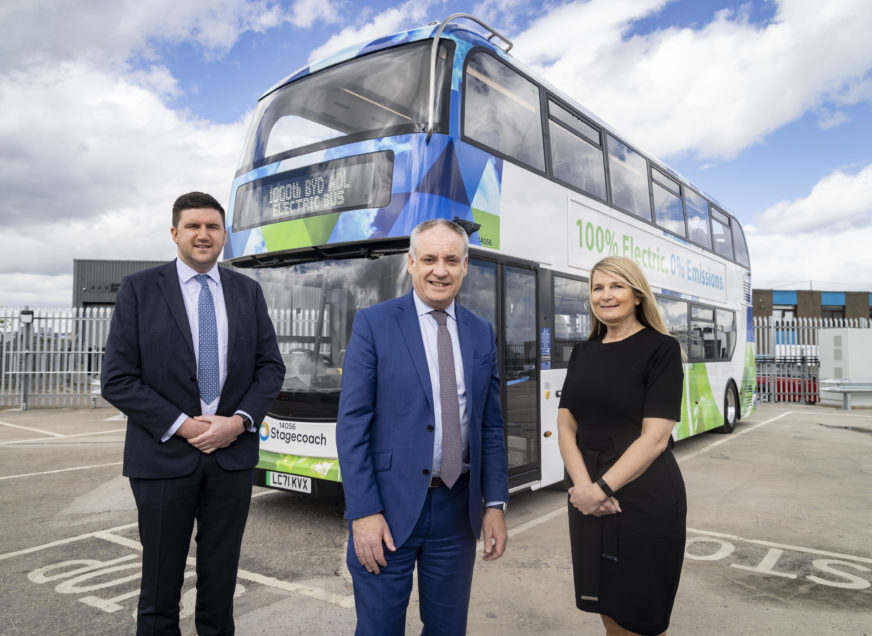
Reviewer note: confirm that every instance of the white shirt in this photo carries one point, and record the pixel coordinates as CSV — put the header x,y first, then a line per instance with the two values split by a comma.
x,y
429,328
191,296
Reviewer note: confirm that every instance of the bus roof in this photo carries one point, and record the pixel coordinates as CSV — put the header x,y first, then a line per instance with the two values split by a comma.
x,y
466,34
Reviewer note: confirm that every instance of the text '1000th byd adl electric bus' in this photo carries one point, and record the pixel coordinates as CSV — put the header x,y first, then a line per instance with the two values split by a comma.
x,y
347,155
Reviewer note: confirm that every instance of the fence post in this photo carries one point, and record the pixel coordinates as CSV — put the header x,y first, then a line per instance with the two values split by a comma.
x,y
26,319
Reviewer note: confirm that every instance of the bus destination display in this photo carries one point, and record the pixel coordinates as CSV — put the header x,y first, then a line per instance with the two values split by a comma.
x,y
348,183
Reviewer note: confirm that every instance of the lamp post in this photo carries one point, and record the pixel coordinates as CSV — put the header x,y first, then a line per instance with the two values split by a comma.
x,y
26,320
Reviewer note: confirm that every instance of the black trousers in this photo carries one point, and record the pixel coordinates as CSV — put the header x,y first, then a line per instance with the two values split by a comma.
x,y
218,500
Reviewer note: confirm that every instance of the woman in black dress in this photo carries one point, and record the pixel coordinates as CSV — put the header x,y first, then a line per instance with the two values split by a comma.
x,y
627,505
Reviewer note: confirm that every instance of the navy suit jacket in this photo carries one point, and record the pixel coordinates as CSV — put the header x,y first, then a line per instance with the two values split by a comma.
x,y
386,406
150,370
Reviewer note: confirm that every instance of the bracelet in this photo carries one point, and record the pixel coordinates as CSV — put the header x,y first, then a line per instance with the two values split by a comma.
x,y
605,487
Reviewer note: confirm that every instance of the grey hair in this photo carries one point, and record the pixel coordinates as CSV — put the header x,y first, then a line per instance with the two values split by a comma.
x,y
429,225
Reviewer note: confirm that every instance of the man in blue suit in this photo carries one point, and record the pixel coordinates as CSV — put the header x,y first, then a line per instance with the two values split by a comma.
x,y
421,447
192,361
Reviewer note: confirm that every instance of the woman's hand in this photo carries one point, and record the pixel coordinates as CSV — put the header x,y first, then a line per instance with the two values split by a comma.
x,y
591,500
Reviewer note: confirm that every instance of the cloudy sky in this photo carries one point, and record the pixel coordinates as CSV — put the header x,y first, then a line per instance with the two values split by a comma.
x,y
112,108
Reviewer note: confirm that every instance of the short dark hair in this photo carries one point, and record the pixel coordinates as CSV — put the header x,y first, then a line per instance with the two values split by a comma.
x,y
192,201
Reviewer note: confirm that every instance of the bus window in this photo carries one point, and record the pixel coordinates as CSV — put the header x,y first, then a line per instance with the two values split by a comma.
x,y
668,209
501,111
723,240
697,218
740,245
371,96
571,318
479,290
628,175
312,306
576,155
703,344
726,337
674,314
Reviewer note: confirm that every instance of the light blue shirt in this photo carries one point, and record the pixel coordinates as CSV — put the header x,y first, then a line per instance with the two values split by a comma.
x,y
431,348
191,295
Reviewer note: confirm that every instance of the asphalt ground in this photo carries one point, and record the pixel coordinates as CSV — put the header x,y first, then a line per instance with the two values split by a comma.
x,y
779,538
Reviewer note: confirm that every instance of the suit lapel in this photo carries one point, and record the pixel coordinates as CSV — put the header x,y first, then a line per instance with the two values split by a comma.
x,y
410,328
464,327
231,305
172,292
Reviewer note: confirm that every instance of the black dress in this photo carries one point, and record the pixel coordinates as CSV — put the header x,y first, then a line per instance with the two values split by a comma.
x,y
627,565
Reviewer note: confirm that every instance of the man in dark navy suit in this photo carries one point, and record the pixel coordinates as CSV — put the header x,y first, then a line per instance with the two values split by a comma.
x,y
192,360
420,442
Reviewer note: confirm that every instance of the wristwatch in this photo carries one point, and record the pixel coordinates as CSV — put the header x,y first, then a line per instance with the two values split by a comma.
x,y
246,421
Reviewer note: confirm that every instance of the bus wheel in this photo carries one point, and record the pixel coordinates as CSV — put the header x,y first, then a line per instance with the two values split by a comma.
x,y
731,409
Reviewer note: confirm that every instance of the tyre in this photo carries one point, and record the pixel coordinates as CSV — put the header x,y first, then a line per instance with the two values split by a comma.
x,y
731,409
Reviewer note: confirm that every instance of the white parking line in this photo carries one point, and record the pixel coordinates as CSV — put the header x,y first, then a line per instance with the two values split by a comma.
x,y
532,523
727,438
54,544
52,439
59,470
783,546
523,527
344,601
32,429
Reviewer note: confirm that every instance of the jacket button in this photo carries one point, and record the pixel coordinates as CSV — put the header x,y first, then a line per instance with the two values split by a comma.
x,y
430,428
425,472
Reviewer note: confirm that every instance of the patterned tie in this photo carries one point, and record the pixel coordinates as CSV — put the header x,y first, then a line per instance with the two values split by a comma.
x,y
452,453
207,367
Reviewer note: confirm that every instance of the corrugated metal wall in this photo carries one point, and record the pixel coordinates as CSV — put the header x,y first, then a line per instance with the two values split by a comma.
x,y
95,282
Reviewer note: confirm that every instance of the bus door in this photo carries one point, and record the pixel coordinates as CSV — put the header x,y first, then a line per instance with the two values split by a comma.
x,y
518,338
505,295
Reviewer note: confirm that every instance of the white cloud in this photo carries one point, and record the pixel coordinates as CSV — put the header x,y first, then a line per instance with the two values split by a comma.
x,y
407,15
91,155
838,202
305,13
712,91
823,237
37,290
77,142
40,31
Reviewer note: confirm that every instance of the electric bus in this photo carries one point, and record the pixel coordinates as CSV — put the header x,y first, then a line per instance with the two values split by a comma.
x,y
345,156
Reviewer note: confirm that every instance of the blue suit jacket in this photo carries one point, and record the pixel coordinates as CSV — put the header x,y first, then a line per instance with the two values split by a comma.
x,y
150,370
386,405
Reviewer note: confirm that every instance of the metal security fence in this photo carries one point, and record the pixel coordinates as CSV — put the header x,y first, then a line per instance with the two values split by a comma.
x,y
787,356
51,356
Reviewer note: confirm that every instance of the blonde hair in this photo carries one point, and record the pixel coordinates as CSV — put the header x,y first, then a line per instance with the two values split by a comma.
x,y
647,311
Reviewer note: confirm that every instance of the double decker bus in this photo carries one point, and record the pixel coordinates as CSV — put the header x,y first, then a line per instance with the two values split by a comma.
x,y
346,156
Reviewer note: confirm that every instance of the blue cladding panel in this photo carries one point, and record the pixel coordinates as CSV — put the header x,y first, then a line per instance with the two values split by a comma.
x,y
833,298
784,298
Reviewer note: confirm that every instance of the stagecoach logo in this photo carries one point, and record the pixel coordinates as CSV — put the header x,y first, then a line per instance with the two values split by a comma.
x,y
308,439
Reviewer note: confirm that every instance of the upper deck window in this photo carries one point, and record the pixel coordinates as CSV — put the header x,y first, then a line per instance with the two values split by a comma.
x,y
739,243
576,152
723,240
384,93
697,218
501,110
668,208
628,174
